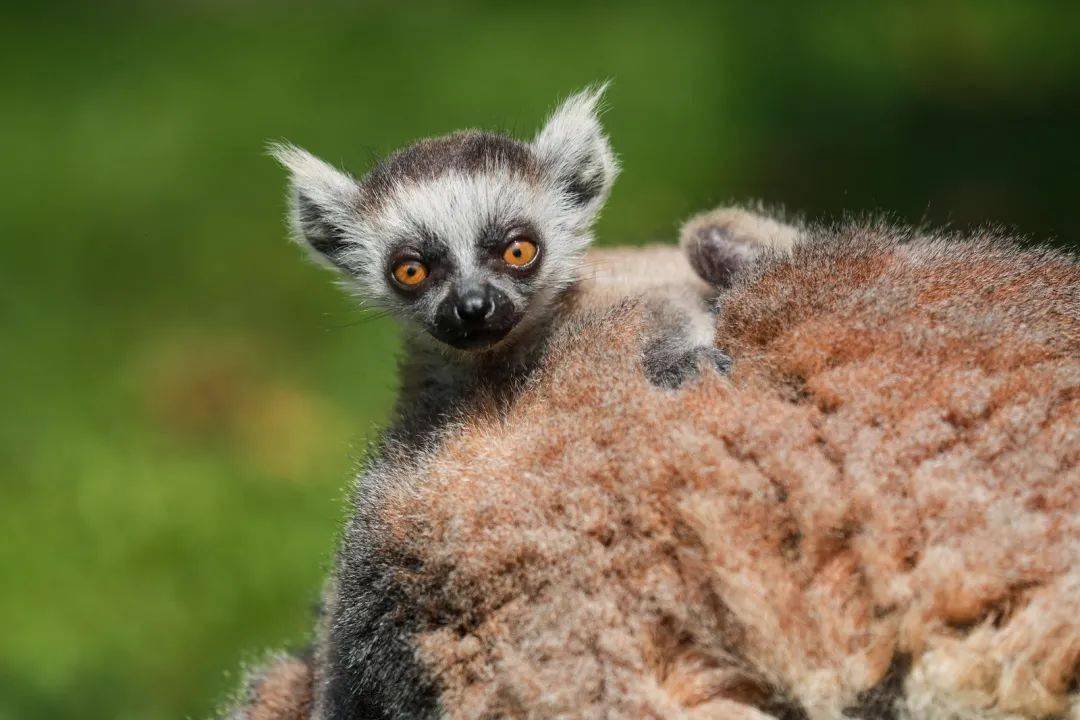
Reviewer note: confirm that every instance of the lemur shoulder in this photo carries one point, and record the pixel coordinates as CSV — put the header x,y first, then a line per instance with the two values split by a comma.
x,y
474,239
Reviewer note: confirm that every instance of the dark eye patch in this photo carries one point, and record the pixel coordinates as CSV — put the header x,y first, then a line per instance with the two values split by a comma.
x,y
496,233
423,243
424,246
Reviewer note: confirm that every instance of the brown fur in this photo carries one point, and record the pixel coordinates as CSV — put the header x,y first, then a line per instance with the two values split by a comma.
x,y
878,511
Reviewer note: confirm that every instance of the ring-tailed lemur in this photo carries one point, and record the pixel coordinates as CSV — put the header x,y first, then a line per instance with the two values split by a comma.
x,y
475,240
472,239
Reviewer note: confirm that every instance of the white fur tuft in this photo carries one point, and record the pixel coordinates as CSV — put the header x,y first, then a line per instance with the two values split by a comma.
x,y
322,200
574,148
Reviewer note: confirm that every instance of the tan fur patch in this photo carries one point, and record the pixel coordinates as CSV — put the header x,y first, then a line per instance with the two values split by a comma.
x,y
281,690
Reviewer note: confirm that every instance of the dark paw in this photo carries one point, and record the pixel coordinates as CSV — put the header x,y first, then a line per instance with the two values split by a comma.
x,y
670,369
719,359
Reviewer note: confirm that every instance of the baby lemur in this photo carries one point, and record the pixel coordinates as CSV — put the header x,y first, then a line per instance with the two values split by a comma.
x,y
476,241
473,239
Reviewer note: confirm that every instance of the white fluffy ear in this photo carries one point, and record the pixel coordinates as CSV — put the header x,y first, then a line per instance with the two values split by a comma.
x,y
572,145
323,202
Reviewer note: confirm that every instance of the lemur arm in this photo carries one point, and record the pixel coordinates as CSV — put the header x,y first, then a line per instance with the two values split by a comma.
x,y
717,244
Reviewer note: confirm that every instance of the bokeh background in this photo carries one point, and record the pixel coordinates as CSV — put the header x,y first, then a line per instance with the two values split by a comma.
x,y
184,397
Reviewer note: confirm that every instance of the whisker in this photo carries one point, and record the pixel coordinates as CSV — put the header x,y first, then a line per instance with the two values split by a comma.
x,y
368,317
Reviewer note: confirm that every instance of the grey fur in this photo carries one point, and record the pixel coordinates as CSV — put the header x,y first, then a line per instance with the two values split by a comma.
x,y
368,666
670,369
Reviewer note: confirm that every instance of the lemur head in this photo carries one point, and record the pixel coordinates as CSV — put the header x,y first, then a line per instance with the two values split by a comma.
x,y
467,236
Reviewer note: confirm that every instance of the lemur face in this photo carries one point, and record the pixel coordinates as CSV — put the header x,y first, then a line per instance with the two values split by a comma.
x,y
468,236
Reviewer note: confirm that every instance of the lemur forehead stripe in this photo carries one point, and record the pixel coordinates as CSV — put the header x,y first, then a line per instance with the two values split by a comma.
x,y
467,152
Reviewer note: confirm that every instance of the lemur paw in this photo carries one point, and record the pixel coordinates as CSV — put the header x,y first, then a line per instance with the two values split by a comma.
x,y
719,359
719,242
669,369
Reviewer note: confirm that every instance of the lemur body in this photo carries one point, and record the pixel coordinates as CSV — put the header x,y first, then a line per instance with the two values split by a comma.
x,y
882,499
473,240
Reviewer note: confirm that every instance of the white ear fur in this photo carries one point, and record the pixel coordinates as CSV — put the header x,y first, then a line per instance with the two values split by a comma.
x,y
323,202
574,148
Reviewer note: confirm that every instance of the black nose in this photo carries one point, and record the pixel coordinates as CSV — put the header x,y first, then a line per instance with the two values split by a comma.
x,y
474,307
474,317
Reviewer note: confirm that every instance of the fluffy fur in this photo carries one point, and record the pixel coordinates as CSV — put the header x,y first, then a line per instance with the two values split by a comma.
x,y
877,515
281,689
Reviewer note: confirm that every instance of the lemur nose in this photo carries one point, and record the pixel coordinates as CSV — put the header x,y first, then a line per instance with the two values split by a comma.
x,y
474,307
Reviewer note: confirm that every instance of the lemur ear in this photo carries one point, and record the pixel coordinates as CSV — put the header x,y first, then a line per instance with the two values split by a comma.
x,y
572,145
323,201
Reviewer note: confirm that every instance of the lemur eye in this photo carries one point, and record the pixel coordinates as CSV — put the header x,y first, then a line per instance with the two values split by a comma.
x,y
410,273
519,253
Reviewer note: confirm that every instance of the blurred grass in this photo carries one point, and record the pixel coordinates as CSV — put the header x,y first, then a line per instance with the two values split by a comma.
x,y
184,397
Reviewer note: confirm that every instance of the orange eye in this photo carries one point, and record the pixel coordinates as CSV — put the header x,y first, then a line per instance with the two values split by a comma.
x,y
410,273
519,253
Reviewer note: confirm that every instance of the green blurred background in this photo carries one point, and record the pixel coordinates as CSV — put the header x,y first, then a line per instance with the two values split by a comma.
x,y
184,396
